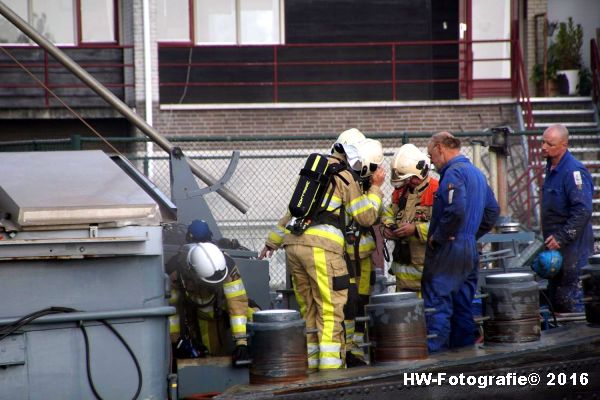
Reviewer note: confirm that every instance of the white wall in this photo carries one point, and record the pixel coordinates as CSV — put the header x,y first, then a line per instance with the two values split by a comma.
x,y
491,20
584,12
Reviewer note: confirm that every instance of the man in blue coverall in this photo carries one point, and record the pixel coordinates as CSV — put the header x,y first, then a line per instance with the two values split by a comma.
x,y
464,209
566,215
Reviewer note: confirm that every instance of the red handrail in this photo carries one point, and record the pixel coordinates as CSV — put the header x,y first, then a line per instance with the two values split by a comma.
x,y
47,66
595,67
277,61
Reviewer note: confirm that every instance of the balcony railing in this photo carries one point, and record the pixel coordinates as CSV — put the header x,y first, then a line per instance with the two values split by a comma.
x,y
19,90
375,71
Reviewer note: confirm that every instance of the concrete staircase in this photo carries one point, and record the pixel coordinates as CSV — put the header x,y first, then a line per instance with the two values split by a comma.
x,y
574,112
577,113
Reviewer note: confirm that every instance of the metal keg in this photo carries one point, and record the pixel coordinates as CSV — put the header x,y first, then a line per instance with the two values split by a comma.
x,y
512,308
277,346
396,327
590,275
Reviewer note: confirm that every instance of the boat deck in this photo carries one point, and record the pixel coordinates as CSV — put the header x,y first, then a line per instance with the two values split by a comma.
x,y
570,351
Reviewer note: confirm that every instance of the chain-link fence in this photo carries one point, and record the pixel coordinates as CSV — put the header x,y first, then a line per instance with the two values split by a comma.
x,y
264,178
268,168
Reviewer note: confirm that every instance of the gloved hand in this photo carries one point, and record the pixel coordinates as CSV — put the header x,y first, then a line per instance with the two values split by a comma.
x,y
240,353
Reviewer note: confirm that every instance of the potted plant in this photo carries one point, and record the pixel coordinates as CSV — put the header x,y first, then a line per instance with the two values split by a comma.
x,y
547,86
567,52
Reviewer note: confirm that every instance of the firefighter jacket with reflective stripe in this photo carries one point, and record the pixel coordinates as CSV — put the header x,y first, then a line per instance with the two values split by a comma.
x,y
236,301
347,197
414,207
366,241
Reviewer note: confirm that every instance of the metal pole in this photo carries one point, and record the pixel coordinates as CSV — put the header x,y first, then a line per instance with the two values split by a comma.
x,y
501,184
114,101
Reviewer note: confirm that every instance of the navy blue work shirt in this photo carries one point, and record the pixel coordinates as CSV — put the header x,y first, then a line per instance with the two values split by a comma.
x,y
567,203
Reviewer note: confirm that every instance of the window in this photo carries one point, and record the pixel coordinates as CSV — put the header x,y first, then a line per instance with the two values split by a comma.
x,y
221,21
237,21
57,21
98,21
215,21
172,20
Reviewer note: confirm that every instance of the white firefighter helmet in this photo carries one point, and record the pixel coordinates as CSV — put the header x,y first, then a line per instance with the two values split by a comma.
x,y
350,136
409,161
371,156
347,138
206,263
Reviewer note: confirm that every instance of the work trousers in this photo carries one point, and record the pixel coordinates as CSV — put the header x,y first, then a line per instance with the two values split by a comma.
x,y
449,284
358,296
321,281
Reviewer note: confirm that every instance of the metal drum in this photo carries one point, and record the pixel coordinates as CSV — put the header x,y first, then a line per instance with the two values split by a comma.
x,y
277,345
513,309
397,328
591,289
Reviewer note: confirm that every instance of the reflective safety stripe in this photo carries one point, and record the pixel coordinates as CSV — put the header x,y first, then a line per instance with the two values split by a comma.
x,y
326,232
329,347
325,292
350,326
276,235
204,331
359,205
359,338
406,276
299,299
358,351
422,230
375,200
238,324
364,286
174,324
330,362
406,272
312,349
250,313
234,289
174,297
366,244
334,203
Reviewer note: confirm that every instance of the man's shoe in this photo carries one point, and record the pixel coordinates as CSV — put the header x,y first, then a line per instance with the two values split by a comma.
x,y
353,361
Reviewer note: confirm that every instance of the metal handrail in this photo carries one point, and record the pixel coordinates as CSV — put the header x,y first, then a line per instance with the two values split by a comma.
x,y
47,65
277,60
595,67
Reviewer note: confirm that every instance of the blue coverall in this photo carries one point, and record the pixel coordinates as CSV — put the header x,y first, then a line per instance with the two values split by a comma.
x,y
464,209
566,214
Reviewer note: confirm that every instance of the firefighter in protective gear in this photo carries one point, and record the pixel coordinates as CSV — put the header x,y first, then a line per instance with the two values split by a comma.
x,y
316,259
204,277
464,209
406,219
360,244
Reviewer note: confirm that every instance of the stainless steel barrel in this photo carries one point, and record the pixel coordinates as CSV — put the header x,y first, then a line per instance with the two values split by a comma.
x,y
277,346
396,327
512,306
591,289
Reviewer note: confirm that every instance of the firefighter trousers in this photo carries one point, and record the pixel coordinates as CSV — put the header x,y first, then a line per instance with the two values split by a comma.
x,y
321,281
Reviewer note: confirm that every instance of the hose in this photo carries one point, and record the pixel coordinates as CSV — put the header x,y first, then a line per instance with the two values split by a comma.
x,y
27,319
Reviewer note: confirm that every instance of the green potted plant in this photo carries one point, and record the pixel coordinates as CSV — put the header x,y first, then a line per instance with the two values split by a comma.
x,y
547,86
567,52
